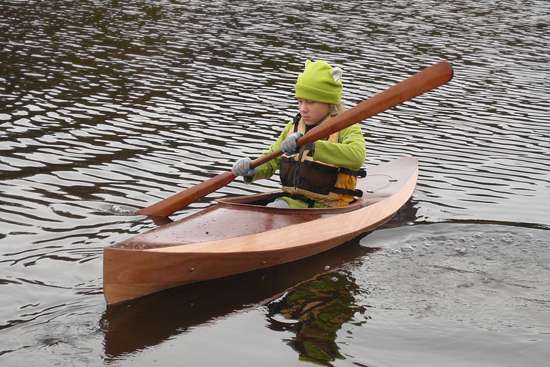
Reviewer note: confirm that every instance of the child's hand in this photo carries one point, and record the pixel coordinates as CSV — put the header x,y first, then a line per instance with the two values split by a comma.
x,y
290,144
242,168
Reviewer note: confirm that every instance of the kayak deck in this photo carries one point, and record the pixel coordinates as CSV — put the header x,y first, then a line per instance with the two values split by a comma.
x,y
246,215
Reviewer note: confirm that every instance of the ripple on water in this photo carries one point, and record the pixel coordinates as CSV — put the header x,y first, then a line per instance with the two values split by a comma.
x,y
120,103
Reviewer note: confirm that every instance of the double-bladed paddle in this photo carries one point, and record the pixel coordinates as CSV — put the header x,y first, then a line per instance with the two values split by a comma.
x,y
419,83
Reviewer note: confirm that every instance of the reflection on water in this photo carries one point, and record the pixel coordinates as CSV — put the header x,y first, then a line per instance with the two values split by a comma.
x,y
319,308
117,104
151,320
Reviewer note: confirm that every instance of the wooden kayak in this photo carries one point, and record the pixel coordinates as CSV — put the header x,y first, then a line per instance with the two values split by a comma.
x,y
239,234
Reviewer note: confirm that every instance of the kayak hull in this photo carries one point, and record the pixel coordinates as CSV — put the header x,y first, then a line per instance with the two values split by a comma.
x,y
194,249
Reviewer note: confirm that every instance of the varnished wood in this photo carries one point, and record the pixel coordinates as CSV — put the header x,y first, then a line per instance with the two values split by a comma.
x,y
234,236
420,83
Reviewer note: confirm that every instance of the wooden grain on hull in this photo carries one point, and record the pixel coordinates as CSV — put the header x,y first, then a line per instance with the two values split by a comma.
x,y
156,260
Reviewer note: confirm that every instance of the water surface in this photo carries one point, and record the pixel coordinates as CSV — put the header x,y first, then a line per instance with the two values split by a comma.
x,y
117,104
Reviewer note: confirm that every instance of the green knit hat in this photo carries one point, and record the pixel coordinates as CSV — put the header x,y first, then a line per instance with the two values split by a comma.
x,y
319,82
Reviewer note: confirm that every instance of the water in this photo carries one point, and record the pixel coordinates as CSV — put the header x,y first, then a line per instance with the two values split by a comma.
x,y
107,106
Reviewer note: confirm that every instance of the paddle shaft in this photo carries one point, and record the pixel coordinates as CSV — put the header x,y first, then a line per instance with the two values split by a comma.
x,y
420,83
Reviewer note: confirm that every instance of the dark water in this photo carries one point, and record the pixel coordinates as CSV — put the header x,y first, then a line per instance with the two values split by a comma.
x,y
114,104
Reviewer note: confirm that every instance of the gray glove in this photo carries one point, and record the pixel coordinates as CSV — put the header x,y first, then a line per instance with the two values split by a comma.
x,y
290,145
242,168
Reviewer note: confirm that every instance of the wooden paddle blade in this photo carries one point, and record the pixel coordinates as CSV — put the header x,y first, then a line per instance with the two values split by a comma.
x,y
180,200
417,84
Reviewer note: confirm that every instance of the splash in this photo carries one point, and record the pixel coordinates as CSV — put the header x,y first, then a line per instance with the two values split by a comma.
x,y
121,210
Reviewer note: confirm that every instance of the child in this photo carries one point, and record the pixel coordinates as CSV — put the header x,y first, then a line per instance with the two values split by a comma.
x,y
321,174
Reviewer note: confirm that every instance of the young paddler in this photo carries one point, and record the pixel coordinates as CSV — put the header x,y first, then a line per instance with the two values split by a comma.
x,y
324,173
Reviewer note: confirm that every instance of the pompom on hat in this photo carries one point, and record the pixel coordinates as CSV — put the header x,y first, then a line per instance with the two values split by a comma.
x,y
319,82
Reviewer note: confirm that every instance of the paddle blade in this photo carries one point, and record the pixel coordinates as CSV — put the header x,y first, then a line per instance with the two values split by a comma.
x,y
415,85
180,200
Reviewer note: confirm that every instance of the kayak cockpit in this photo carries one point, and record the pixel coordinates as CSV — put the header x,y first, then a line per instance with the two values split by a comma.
x,y
259,202
240,216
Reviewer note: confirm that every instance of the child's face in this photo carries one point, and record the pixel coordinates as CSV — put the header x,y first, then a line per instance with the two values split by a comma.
x,y
312,112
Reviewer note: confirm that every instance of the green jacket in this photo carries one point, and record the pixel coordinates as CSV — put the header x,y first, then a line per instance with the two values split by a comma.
x,y
349,152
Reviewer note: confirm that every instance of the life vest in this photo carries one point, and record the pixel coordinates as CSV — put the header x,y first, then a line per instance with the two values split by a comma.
x,y
313,181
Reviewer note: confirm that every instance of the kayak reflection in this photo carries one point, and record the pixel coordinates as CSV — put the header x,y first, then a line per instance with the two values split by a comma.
x,y
315,310
131,327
